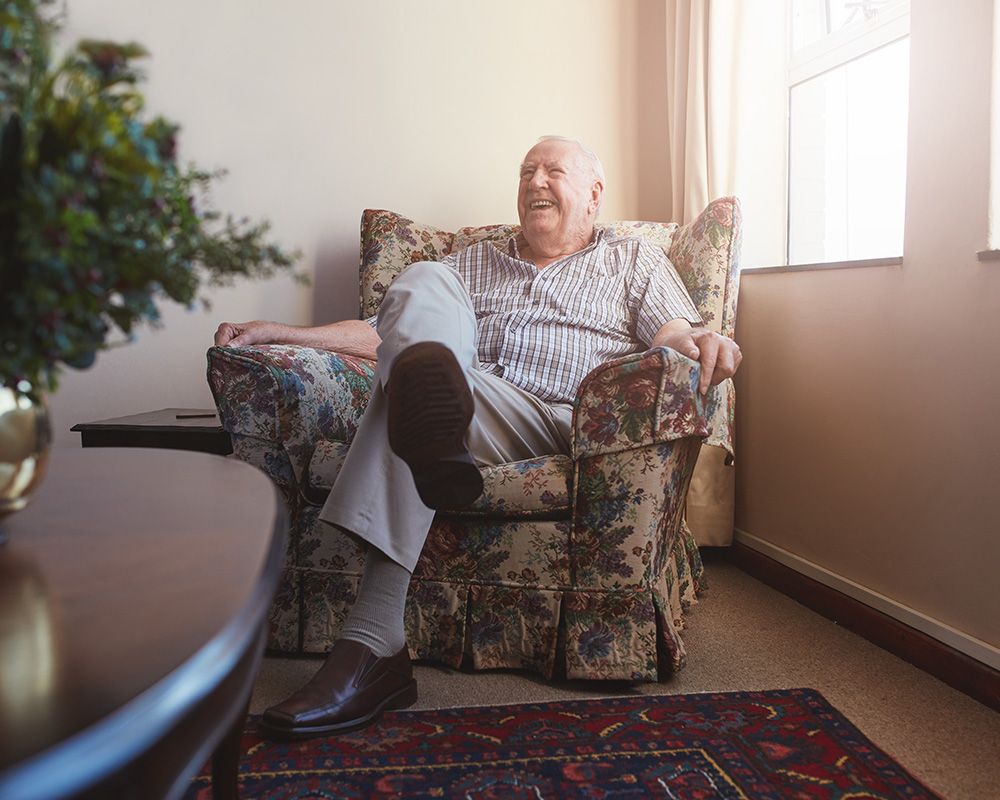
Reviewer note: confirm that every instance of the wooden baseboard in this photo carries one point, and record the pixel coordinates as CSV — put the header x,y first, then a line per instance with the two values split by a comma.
x,y
979,681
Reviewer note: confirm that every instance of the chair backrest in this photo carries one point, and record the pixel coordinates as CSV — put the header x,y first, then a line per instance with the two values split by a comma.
x,y
705,253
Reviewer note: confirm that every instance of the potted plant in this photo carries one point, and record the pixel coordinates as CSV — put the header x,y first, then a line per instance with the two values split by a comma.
x,y
98,220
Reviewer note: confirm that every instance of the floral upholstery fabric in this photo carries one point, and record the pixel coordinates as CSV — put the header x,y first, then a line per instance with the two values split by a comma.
x,y
531,488
706,253
588,551
659,233
389,243
291,396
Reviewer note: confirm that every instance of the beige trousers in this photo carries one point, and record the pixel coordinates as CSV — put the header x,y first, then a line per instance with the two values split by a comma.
x,y
374,496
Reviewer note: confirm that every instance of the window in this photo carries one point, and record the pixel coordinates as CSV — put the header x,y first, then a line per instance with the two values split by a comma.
x,y
993,235
848,83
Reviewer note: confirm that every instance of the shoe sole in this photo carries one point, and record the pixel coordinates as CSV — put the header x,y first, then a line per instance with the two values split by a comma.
x,y
430,408
404,697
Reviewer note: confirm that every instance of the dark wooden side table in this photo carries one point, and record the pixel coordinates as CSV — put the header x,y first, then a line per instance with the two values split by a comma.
x,y
134,591
172,428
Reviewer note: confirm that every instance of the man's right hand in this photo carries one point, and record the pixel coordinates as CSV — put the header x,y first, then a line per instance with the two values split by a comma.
x,y
352,337
238,334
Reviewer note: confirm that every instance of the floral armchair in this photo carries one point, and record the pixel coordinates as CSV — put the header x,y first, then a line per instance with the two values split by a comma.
x,y
577,565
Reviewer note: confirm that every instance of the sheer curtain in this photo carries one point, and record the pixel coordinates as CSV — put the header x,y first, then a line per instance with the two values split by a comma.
x,y
698,164
726,79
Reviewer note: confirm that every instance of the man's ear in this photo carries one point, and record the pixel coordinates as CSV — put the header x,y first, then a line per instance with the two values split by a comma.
x,y
596,193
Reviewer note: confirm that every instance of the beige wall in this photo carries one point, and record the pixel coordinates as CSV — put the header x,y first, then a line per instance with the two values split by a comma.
x,y
321,108
868,426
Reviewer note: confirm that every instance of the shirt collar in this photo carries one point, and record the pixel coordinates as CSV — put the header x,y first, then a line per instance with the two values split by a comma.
x,y
514,253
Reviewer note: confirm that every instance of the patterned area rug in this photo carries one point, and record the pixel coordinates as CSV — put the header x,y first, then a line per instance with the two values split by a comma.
x,y
755,745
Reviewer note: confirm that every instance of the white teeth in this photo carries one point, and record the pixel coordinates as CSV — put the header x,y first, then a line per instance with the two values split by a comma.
x,y
541,204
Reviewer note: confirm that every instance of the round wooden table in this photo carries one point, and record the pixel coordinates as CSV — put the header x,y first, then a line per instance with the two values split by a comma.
x,y
134,591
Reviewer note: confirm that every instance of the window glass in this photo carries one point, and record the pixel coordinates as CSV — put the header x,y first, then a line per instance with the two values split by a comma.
x,y
847,159
848,94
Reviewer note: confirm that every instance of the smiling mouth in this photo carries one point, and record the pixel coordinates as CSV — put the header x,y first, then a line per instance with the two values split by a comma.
x,y
537,205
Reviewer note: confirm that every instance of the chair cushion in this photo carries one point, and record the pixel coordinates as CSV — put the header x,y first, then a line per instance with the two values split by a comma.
x,y
522,489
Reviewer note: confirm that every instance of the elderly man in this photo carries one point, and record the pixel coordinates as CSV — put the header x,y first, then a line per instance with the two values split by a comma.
x,y
479,358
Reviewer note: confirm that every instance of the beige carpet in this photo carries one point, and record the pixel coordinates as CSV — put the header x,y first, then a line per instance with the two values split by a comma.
x,y
744,636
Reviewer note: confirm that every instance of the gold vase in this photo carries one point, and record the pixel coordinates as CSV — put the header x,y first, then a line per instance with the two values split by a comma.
x,y
25,437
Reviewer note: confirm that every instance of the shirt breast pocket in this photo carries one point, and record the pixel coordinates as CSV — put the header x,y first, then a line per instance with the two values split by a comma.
x,y
597,301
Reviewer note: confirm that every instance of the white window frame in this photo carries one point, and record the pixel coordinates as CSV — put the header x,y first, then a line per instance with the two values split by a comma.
x,y
992,251
847,44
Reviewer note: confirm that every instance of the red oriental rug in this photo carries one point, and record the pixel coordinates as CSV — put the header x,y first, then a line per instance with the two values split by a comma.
x,y
756,745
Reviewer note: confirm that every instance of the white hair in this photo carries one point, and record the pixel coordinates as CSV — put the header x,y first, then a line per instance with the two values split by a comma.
x,y
591,156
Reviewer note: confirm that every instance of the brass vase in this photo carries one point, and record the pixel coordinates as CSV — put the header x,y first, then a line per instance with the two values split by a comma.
x,y
25,438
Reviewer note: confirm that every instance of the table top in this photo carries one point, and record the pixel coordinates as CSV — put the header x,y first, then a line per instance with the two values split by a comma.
x,y
129,587
164,419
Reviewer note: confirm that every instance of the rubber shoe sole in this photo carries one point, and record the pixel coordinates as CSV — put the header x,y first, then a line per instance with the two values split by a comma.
x,y
430,408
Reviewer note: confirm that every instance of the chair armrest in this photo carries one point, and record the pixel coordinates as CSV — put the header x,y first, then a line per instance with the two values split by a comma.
x,y
289,396
638,400
638,425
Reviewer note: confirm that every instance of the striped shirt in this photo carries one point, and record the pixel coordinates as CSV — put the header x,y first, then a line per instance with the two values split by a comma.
x,y
545,329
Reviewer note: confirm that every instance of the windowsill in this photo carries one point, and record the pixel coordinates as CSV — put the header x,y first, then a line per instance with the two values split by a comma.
x,y
895,261
988,255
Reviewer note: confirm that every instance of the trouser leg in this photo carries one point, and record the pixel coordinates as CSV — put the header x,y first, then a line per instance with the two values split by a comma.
x,y
374,496
428,302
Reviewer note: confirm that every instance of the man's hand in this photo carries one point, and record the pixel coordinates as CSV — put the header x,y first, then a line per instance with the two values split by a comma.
x,y
238,334
718,355
353,337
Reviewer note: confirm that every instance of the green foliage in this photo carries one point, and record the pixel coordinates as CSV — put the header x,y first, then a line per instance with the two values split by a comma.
x,y
97,219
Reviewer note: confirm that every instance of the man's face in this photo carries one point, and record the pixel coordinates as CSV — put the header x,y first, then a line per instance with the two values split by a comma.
x,y
558,195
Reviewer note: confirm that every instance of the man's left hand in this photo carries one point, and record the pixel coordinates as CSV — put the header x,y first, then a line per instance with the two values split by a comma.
x,y
718,355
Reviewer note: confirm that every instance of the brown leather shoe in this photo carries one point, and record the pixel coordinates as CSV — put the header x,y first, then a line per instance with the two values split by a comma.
x,y
350,691
430,407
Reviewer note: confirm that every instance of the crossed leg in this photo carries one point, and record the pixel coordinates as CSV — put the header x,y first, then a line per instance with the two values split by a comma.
x,y
375,498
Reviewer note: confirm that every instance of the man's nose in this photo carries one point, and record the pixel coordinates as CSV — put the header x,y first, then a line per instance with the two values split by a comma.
x,y
539,179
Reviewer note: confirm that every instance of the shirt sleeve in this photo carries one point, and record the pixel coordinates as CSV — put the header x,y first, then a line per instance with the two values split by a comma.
x,y
372,320
659,293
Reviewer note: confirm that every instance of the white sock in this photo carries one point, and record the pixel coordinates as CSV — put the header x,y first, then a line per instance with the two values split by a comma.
x,y
376,618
